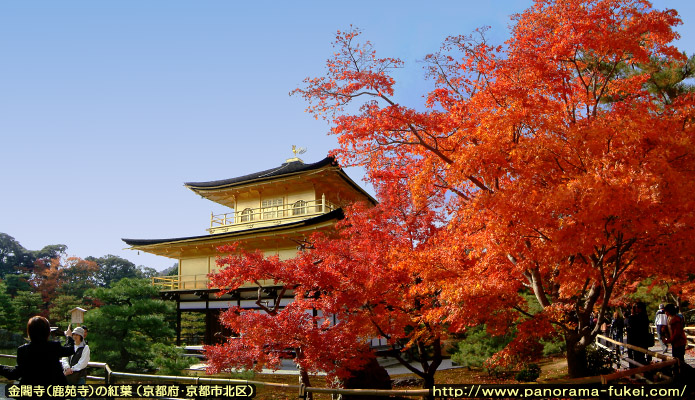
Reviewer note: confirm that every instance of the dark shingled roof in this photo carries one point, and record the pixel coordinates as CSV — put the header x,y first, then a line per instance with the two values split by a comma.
x,y
285,169
335,214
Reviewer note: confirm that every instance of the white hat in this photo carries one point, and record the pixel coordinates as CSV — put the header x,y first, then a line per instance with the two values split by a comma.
x,y
78,331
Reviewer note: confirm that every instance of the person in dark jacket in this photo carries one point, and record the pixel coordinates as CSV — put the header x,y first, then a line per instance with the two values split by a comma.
x,y
38,362
638,332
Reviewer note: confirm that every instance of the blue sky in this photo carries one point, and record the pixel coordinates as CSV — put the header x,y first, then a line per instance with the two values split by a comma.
x,y
107,107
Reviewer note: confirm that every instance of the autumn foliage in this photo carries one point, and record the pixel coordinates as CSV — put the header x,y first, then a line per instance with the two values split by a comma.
x,y
63,275
349,287
553,164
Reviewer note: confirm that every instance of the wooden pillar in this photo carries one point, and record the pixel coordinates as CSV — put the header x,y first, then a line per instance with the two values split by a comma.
x,y
178,323
208,322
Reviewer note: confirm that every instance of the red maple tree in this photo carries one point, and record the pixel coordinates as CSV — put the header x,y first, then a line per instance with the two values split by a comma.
x,y
557,166
358,283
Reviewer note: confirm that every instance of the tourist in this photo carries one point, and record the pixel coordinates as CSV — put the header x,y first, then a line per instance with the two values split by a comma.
x,y
75,366
661,322
86,331
38,362
676,335
638,332
617,330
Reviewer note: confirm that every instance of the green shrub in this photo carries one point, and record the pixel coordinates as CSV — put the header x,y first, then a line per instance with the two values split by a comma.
x,y
170,360
553,347
599,361
478,346
245,374
129,322
10,340
529,374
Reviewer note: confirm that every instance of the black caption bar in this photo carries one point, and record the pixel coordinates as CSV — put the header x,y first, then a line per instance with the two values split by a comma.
x,y
137,391
532,391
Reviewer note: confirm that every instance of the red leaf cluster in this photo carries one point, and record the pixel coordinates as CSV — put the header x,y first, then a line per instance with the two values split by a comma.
x,y
552,164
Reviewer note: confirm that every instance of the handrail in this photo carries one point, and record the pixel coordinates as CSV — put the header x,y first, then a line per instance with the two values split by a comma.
x,y
256,214
633,347
112,376
175,282
685,328
602,379
192,282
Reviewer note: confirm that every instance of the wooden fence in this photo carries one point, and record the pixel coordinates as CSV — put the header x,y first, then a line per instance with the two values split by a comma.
x,y
666,361
111,377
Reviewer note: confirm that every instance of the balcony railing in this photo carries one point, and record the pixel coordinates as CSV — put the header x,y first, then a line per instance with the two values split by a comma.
x,y
238,219
184,282
194,282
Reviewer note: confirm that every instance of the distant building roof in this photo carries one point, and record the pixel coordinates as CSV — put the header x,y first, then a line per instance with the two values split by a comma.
x,y
222,191
286,168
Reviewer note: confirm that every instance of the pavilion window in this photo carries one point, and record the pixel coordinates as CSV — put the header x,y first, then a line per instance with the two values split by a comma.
x,y
299,208
271,208
247,215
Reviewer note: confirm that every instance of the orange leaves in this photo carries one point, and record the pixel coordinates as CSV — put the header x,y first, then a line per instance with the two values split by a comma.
x,y
364,281
62,274
550,163
353,71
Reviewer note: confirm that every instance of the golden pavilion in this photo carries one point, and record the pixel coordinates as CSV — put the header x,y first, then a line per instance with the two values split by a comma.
x,y
273,210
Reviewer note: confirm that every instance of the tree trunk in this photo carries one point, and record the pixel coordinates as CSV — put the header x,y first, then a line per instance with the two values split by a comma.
x,y
303,375
576,357
430,368
304,380
428,384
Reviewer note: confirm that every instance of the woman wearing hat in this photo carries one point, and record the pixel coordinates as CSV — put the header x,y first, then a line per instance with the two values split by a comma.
x,y
75,366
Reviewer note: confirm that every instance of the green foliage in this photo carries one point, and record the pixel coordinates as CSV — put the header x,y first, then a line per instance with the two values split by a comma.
x,y
670,81
655,293
112,269
60,307
478,346
49,252
146,272
599,361
8,316
651,295
10,340
554,346
173,270
533,307
13,256
170,360
529,374
192,327
245,374
17,283
26,305
130,321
